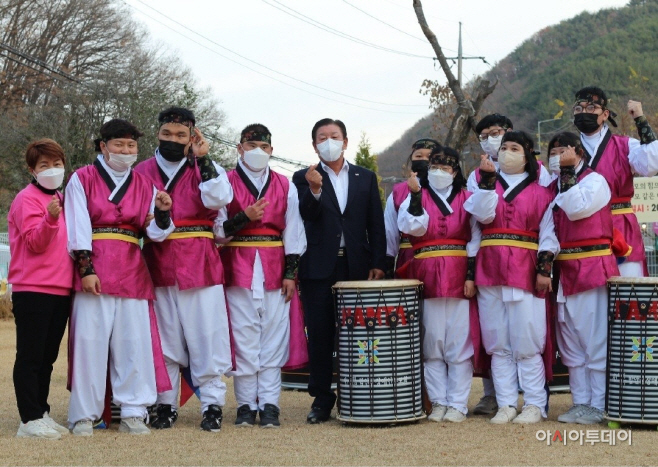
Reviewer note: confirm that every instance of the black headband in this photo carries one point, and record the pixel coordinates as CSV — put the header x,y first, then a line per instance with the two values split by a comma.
x,y
425,143
441,158
257,135
176,118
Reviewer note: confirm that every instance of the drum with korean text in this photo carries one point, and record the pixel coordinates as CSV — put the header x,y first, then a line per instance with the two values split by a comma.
x,y
379,351
632,370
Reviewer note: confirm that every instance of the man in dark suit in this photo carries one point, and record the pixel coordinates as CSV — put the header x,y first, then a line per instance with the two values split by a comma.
x,y
342,212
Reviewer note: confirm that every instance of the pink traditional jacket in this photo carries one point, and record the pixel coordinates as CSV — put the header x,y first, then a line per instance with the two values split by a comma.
x,y
119,264
585,260
188,257
237,255
508,250
405,253
440,258
611,161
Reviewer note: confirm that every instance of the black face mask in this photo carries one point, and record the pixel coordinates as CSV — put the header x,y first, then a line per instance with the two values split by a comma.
x,y
421,167
586,123
172,151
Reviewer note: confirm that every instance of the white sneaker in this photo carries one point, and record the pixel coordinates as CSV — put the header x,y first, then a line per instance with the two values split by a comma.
x,y
591,416
454,415
573,413
83,428
438,412
504,415
486,406
53,424
529,414
134,426
36,429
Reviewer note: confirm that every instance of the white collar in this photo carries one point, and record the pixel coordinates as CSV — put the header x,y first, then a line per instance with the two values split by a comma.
x,y
119,178
443,193
513,179
593,141
345,167
258,178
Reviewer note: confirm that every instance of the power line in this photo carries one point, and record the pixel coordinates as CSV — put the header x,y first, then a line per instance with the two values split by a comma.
x,y
404,32
427,15
37,61
233,144
28,66
499,80
387,24
266,67
317,24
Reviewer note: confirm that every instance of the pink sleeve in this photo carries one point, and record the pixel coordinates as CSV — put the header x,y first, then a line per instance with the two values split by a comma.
x,y
37,228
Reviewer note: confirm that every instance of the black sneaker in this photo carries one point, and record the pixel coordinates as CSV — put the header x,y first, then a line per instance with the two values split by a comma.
x,y
269,416
165,417
246,416
212,419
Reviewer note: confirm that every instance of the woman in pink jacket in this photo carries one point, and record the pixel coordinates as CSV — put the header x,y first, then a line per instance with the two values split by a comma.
x,y
41,275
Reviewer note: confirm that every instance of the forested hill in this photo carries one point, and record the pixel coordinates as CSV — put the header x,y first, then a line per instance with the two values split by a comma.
x,y
615,49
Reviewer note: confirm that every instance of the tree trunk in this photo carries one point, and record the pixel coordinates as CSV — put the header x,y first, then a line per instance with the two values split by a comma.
x,y
464,120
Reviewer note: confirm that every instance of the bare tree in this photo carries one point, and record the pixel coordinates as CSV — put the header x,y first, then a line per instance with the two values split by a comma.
x,y
40,38
463,120
68,66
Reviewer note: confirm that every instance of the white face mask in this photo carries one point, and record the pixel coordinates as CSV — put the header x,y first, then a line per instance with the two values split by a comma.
x,y
439,179
491,145
511,162
50,179
121,162
256,159
554,164
330,150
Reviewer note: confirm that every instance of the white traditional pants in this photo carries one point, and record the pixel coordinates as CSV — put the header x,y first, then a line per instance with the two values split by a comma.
x,y
260,321
631,269
513,324
193,327
582,336
117,330
447,351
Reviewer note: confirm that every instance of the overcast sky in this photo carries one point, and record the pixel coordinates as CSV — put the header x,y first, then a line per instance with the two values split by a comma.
x,y
243,50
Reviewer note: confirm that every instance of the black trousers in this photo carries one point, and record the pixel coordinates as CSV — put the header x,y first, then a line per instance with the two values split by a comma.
x,y
40,323
320,317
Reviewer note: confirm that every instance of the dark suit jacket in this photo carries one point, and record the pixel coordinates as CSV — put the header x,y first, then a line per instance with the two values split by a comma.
x,y
362,224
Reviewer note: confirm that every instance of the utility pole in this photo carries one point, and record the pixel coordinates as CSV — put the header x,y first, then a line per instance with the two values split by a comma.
x,y
539,130
459,56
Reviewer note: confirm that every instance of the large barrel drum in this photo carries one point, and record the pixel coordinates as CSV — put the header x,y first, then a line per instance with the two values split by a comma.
x,y
632,374
379,351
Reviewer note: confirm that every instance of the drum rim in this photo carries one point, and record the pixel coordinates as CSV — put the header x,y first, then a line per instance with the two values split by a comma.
x,y
631,420
633,280
377,284
381,421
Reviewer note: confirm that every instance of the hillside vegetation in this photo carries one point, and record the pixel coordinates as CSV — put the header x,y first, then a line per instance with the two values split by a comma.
x,y
614,49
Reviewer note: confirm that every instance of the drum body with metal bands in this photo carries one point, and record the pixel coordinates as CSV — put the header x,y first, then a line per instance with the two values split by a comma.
x,y
379,351
632,371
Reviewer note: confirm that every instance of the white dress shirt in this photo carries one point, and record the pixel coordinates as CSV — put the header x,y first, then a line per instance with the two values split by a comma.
x,y
340,183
